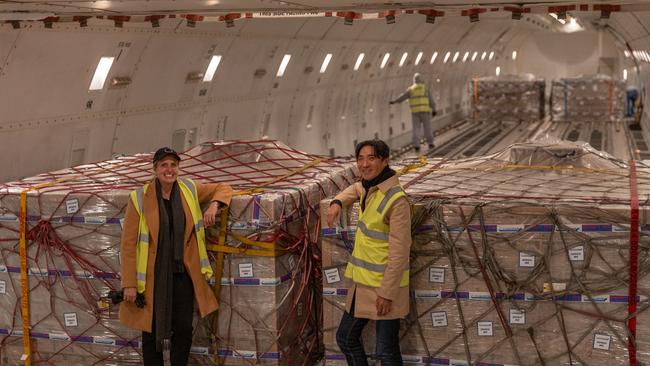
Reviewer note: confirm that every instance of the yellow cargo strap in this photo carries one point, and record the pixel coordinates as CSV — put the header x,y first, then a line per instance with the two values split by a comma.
x,y
269,249
422,162
24,279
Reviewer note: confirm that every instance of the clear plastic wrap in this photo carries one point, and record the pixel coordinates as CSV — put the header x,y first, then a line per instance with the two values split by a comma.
x,y
594,98
507,98
519,258
269,306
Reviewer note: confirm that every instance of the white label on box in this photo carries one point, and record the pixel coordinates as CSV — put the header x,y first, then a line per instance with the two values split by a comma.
x,y
244,354
484,329
437,274
620,228
3,287
292,262
59,337
526,260
246,270
332,275
517,316
72,206
70,319
95,220
199,350
509,228
122,223
602,341
559,286
577,253
439,318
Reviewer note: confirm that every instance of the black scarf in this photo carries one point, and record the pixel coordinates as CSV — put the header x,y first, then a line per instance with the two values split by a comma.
x,y
367,184
170,254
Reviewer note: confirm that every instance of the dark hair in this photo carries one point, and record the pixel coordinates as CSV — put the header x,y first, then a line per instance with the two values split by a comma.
x,y
380,148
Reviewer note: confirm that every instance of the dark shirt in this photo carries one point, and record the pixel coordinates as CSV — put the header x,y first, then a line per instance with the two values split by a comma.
x,y
178,267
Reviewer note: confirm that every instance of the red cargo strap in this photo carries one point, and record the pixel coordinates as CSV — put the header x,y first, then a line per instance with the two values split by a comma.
x,y
634,264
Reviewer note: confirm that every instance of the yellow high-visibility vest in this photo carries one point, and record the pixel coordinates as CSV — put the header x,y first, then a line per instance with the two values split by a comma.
x,y
370,255
418,99
188,189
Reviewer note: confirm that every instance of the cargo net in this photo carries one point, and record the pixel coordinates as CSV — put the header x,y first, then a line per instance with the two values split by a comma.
x,y
596,98
518,258
507,98
270,303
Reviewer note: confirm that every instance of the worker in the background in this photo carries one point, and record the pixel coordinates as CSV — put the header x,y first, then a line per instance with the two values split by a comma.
x,y
632,95
379,265
422,109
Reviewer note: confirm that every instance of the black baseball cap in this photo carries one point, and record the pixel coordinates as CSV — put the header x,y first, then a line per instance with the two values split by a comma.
x,y
163,152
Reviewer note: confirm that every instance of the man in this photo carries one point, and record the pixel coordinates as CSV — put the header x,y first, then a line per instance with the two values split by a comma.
x,y
422,109
379,264
632,93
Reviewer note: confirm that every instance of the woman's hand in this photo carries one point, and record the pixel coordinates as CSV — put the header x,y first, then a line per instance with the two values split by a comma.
x,y
129,294
210,215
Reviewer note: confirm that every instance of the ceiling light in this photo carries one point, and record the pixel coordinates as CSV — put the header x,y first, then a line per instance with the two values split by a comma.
x,y
433,57
403,59
384,60
212,68
359,60
418,58
283,65
326,62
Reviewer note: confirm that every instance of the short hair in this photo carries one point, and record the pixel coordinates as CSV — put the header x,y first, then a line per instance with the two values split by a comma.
x,y
380,148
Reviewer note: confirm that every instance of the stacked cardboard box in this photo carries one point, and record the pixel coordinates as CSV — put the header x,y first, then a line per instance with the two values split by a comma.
x,y
507,98
270,306
520,258
587,99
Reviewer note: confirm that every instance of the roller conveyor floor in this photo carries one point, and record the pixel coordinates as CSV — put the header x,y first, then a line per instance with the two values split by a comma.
x,y
467,138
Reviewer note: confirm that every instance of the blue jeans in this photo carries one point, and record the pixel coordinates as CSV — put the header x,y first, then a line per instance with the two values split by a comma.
x,y
632,95
348,338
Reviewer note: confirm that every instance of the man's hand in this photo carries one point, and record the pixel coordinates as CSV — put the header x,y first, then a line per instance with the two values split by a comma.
x,y
129,294
333,214
383,306
210,215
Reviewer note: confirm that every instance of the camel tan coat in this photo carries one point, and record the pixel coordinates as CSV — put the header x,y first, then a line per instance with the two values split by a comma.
x,y
141,319
398,218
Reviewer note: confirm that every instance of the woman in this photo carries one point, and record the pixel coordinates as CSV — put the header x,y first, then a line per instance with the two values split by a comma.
x,y
164,258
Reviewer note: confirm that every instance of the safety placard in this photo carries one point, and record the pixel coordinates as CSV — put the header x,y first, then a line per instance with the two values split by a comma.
x,y
439,318
517,316
485,329
526,260
72,206
70,319
3,287
602,341
577,253
332,275
245,270
437,274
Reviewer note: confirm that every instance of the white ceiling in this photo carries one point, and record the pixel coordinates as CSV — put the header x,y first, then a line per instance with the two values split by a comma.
x,y
206,7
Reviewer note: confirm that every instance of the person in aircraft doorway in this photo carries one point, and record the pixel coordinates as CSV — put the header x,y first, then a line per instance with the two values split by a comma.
x,y
164,259
379,264
422,109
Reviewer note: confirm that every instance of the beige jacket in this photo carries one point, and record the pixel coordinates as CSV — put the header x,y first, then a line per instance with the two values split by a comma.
x,y
141,319
398,218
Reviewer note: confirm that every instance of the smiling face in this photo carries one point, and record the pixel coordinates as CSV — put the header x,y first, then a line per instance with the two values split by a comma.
x,y
369,164
166,170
